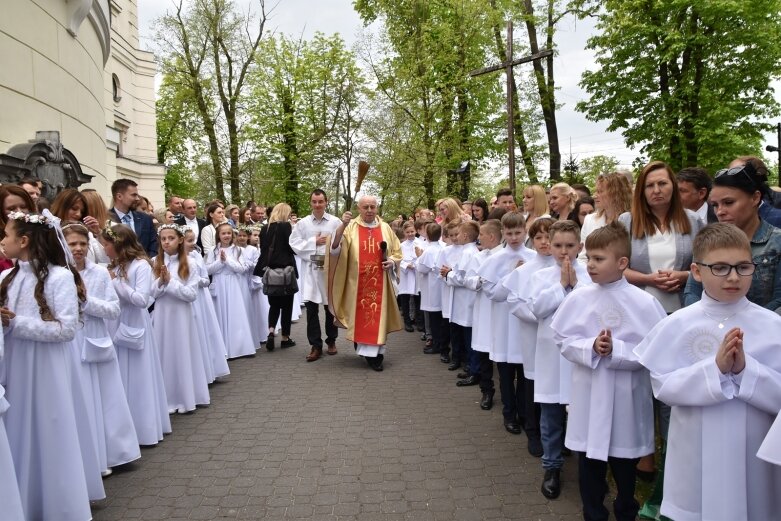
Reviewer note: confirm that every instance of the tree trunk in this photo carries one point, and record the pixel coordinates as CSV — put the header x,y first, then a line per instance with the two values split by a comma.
x,y
290,145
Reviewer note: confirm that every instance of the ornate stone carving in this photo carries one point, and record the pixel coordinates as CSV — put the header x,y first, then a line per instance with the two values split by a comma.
x,y
46,159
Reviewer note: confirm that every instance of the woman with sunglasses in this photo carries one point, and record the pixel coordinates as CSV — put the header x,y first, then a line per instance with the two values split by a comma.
x,y
737,198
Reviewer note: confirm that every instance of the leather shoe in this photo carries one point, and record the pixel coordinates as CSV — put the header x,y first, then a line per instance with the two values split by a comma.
x,y
408,328
512,427
444,358
464,374
332,349
470,380
270,342
535,447
487,401
314,354
551,484
431,351
286,343
454,366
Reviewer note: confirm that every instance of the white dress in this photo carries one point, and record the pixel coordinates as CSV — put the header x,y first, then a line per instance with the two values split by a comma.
x,y
139,362
258,312
115,434
521,323
611,411
177,339
9,489
718,420
215,355
38,377
770,450
227,281
552,372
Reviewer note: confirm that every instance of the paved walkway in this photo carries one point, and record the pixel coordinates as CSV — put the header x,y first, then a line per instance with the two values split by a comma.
x,y
333,440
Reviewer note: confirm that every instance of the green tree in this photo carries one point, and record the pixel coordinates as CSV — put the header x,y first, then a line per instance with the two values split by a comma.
x,y
687,80
592,167
208,50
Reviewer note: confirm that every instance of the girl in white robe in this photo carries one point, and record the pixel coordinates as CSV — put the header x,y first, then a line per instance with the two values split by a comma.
x,y
770,450
249,257
38,373
225,265
215,356
175,288
9,489
114,432
258,321
137,351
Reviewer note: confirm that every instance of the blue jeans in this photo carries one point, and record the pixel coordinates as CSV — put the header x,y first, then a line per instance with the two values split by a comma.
x,y
552,434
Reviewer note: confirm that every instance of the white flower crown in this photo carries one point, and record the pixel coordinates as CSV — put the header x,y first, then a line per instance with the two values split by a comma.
x,y
175,227
32,218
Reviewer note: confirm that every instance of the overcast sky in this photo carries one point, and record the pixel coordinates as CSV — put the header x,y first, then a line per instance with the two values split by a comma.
x,y
295,17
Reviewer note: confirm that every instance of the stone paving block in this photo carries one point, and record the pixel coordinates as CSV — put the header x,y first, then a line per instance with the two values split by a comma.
x,y
332,440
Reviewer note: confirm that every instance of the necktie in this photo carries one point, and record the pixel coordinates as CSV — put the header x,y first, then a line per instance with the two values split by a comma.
x,y
127,221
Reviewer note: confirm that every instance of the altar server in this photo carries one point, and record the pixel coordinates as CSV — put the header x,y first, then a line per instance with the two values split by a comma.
x,y
139,360
522,326
492,273
717,364
552,372
408,286
611,410
430,291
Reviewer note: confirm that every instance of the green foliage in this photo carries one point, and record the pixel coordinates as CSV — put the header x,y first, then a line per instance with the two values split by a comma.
x,y
687,80
592,167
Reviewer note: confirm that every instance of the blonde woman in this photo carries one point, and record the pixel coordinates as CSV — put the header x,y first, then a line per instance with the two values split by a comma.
x,y
450,211
562,201
232,212
535,204
275,252
613,197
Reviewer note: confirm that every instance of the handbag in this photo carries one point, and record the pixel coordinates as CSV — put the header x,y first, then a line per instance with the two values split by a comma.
x,y
96,350
278,282
129,337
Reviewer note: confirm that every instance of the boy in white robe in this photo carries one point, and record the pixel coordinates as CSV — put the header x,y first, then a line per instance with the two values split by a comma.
x,y
420,243
522,326
718,365
493,272
611,419
430,292
447,258
552,373
482,333
463,298
407,275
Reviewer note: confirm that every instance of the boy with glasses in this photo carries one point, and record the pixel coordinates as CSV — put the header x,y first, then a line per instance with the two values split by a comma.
x,y
717,364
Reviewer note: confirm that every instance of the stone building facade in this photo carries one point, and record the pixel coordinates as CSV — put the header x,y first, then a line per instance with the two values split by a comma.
x,y
74,66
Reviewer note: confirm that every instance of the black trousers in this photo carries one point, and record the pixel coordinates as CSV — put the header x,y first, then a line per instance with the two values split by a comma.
x,y
280,305
435,323
592,477
485,370
313,333
532,410
404,306
445,333
461,342
512,391
419,320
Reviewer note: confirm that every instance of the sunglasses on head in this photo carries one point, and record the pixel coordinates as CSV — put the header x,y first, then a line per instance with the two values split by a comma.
x,y
745,170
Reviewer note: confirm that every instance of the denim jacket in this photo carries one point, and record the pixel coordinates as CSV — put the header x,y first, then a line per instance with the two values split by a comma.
x,y
765,287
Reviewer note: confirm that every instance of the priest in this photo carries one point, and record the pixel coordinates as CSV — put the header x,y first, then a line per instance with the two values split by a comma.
x,y
364,253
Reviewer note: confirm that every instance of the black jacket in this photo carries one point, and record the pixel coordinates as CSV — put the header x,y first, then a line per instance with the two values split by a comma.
x,y
145,230
277,235
201,225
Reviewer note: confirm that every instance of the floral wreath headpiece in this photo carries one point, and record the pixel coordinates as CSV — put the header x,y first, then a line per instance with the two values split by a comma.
x,y
175,227
48,219
109,229
244,228
31,218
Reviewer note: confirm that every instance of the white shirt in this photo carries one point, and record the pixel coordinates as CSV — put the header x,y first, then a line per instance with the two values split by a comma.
x,y
702,212
129,222
193,224
590,223
661,256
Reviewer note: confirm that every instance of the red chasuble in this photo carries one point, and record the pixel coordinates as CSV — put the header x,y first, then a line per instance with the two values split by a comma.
x,y
368,302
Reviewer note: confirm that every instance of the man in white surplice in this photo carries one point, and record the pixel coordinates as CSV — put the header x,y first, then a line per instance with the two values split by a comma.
x,y
309,238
